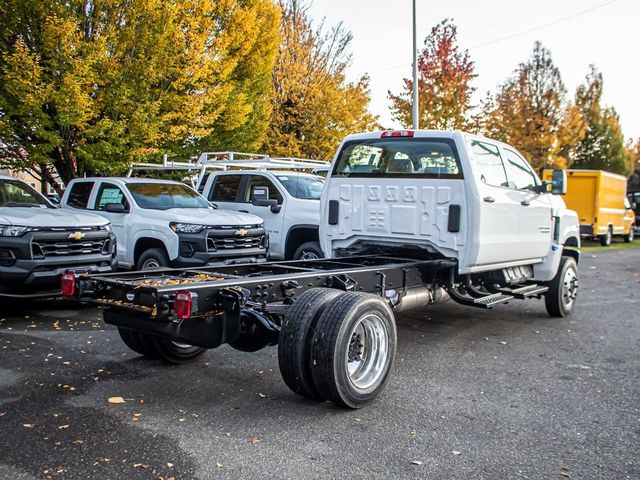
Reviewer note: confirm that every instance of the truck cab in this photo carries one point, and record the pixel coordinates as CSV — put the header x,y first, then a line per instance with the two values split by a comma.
x,y
448,194
292,222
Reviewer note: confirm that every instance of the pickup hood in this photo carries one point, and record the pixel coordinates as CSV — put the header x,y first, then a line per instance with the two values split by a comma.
x,y
211,216
49,217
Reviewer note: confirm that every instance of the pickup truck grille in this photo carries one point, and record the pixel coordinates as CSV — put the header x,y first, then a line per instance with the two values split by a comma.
x,y
231,243
62,248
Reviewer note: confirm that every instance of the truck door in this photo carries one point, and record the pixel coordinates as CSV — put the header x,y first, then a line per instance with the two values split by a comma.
x,y
108,193
535,219
498,224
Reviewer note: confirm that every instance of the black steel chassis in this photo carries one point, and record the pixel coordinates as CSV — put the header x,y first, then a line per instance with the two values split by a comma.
x,y
243,304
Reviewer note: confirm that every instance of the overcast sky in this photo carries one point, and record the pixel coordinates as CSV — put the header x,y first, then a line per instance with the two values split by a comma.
x,y
577,32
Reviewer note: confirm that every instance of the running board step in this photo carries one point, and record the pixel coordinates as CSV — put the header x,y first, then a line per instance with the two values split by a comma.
x,y
487,301
528,291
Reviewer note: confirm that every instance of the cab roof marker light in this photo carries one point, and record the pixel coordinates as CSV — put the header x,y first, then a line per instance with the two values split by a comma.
x,y
397,133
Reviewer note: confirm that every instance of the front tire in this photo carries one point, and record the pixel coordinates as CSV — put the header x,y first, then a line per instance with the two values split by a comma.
x,y
563,289
308,251
353,348
151,259
629,237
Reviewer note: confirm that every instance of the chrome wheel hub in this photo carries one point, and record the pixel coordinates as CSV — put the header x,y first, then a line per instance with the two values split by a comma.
x,y
569,287
367,352
309,256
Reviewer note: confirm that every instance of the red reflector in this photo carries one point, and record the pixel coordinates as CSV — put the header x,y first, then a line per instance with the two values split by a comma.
x,y
397,133
68,284
182,304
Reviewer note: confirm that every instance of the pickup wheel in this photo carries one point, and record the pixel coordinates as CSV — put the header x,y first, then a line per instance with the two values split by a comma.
x,y
308,251
294,343
605,240
151,259
353,348
138,342
628,238
176,352
563,289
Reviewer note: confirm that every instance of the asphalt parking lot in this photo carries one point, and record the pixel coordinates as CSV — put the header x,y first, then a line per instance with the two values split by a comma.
x,y
504,393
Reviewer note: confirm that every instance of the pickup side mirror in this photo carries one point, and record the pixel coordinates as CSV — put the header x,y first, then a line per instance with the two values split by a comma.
x,y
559,182
115,208
261,199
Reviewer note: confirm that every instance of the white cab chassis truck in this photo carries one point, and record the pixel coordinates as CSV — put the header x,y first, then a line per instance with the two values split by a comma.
x,y
407,218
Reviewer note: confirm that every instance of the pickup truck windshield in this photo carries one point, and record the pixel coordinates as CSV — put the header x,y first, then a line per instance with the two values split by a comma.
x,y
399,157
306,187
18,194
163,196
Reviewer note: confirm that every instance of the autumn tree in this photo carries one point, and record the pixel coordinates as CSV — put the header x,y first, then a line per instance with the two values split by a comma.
x,y
314,106
444,88
530,111
88,86
603,146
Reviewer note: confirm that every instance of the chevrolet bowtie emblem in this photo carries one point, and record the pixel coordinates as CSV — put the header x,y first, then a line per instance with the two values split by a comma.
x,y
77,235
241,233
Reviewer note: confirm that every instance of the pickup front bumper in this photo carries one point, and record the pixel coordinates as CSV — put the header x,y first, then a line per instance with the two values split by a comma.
x,y
31,265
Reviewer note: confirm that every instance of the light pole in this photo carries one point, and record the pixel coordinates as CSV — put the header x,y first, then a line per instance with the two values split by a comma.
x,y
416,123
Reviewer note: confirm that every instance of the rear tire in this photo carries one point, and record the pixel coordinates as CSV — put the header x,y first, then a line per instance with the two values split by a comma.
x,y
294,344
629,237
308,251
152,259
138,342
176,352
605,240
353,348
563,289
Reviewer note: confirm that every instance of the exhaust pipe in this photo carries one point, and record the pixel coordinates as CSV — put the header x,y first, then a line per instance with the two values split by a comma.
x,y
416,297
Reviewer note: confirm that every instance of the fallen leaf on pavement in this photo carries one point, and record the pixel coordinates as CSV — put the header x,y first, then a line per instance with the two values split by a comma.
x,y
456,453
170,465
415,462
116,400
565,471
255,440
219,465
62,427
262,395
28,425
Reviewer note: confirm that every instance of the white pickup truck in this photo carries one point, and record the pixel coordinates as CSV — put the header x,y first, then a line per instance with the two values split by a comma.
x,y
291,211
161,223
407,219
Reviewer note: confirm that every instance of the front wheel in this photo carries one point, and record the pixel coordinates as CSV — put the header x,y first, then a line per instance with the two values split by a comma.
x,y
563,289
308,251
353,348
151,259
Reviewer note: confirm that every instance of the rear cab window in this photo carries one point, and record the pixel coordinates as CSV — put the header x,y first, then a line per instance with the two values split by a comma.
x,y
398,158
79,195
225,188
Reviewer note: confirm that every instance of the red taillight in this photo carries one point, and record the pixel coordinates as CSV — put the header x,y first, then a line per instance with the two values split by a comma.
x,y
397,133
68,284
182,304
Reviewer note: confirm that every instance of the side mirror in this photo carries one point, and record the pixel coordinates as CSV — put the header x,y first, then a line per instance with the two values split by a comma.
x,y
559,182
261,199
213,204
115,208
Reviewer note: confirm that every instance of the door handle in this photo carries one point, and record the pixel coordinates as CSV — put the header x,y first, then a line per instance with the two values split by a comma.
x,y
525,203
489,199
243,211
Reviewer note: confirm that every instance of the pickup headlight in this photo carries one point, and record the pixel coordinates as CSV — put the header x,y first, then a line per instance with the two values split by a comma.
x,y
14,230
108,228
186,227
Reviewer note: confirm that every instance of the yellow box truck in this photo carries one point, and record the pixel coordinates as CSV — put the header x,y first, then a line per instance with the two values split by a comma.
x,y
600,199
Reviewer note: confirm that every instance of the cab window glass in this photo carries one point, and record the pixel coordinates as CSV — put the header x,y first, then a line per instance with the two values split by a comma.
x,y
486,157
518,172
79,194
109,193
225,188
260,181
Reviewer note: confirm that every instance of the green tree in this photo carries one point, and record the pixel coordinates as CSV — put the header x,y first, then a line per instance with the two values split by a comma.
x,y
314,106
603,146
444,88
86,87
530,112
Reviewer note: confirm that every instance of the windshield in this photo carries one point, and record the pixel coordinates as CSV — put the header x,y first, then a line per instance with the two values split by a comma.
x,y
17,194
163,196
399,157
306,187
